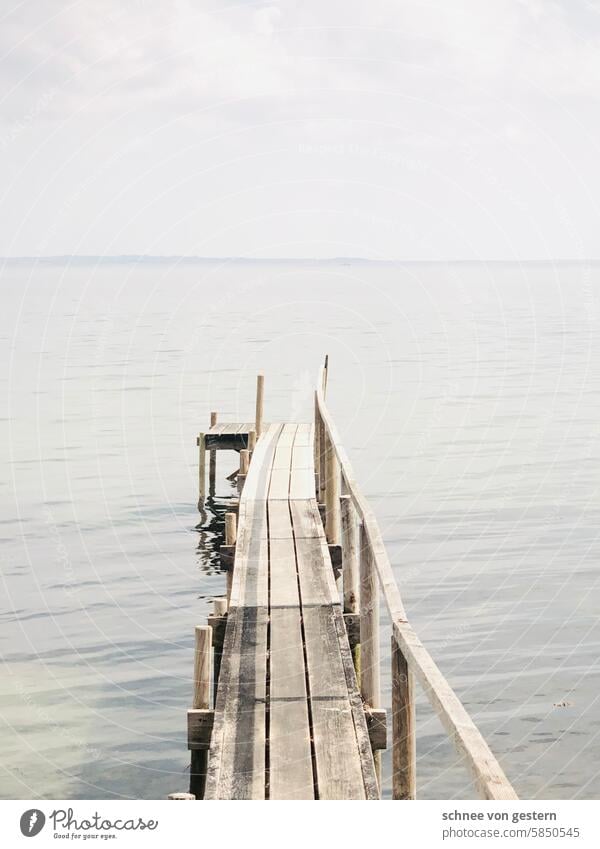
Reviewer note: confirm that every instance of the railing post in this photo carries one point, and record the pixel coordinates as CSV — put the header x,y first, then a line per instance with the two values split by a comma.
x,y
201,471
370,686
260,396
349,555
403,727
201,701
212,466
317,445
332,495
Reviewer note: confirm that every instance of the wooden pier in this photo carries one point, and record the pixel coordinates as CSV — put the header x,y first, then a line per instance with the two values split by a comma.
x,y
293,707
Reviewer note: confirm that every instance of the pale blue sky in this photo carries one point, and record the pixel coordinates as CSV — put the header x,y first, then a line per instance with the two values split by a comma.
x,y
400,130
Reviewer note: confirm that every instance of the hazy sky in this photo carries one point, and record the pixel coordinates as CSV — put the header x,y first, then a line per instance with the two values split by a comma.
x,y
411,130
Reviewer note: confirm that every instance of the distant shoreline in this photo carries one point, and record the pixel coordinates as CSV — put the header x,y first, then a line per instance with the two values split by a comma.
x,y
146,259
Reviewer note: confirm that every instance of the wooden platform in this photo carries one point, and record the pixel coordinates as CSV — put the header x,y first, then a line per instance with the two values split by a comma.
x,y
289,722
228,436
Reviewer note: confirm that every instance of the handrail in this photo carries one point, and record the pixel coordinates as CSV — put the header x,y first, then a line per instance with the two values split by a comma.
x,y
407,650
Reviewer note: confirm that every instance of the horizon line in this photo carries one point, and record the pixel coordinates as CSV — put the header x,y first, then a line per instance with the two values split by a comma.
x,y
130,258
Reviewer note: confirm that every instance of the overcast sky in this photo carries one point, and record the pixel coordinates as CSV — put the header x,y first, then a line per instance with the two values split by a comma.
x,y
461,129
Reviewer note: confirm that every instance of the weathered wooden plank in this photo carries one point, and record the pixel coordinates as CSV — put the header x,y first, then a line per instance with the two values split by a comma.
x,y
243,757
283,457
307,519
288,434
290,759
280,484
280,522
303,457
302,479
282,572
290,755
231,427
304,434
317,584
337,758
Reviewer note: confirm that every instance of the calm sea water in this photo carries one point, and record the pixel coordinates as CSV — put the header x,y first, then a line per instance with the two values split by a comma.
x,y
469,401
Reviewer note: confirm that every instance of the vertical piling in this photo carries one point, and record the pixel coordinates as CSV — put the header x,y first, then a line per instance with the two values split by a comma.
x,y
244,466
201,701
403,727
212,466
260,397
201,471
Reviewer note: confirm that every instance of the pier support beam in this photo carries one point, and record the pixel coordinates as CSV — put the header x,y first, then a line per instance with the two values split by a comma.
x,y
201,712
404,784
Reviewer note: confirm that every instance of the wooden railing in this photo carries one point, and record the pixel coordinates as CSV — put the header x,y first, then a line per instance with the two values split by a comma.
x,y
367,572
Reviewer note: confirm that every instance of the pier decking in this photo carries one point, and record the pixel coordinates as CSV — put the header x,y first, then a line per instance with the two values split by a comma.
x,y
297,711
287,695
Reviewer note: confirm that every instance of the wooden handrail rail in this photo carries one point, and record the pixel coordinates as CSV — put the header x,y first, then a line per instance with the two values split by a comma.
x,y
488,776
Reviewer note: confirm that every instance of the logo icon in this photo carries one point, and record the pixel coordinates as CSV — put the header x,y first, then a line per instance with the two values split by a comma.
x,y
32,822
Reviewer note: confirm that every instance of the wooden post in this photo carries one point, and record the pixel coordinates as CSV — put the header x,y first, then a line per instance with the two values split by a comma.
x,y
317,445
251,442
219,612
220,606
201,471
202,667
201,701
349,555
320,437
260,396
370,687
212,466
332,496
230,538
244,466
404,750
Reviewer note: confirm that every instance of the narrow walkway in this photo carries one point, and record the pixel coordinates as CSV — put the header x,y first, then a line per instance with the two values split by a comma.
x,y
289,721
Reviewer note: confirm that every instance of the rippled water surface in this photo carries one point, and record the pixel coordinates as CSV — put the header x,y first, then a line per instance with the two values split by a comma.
x,y
469,400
